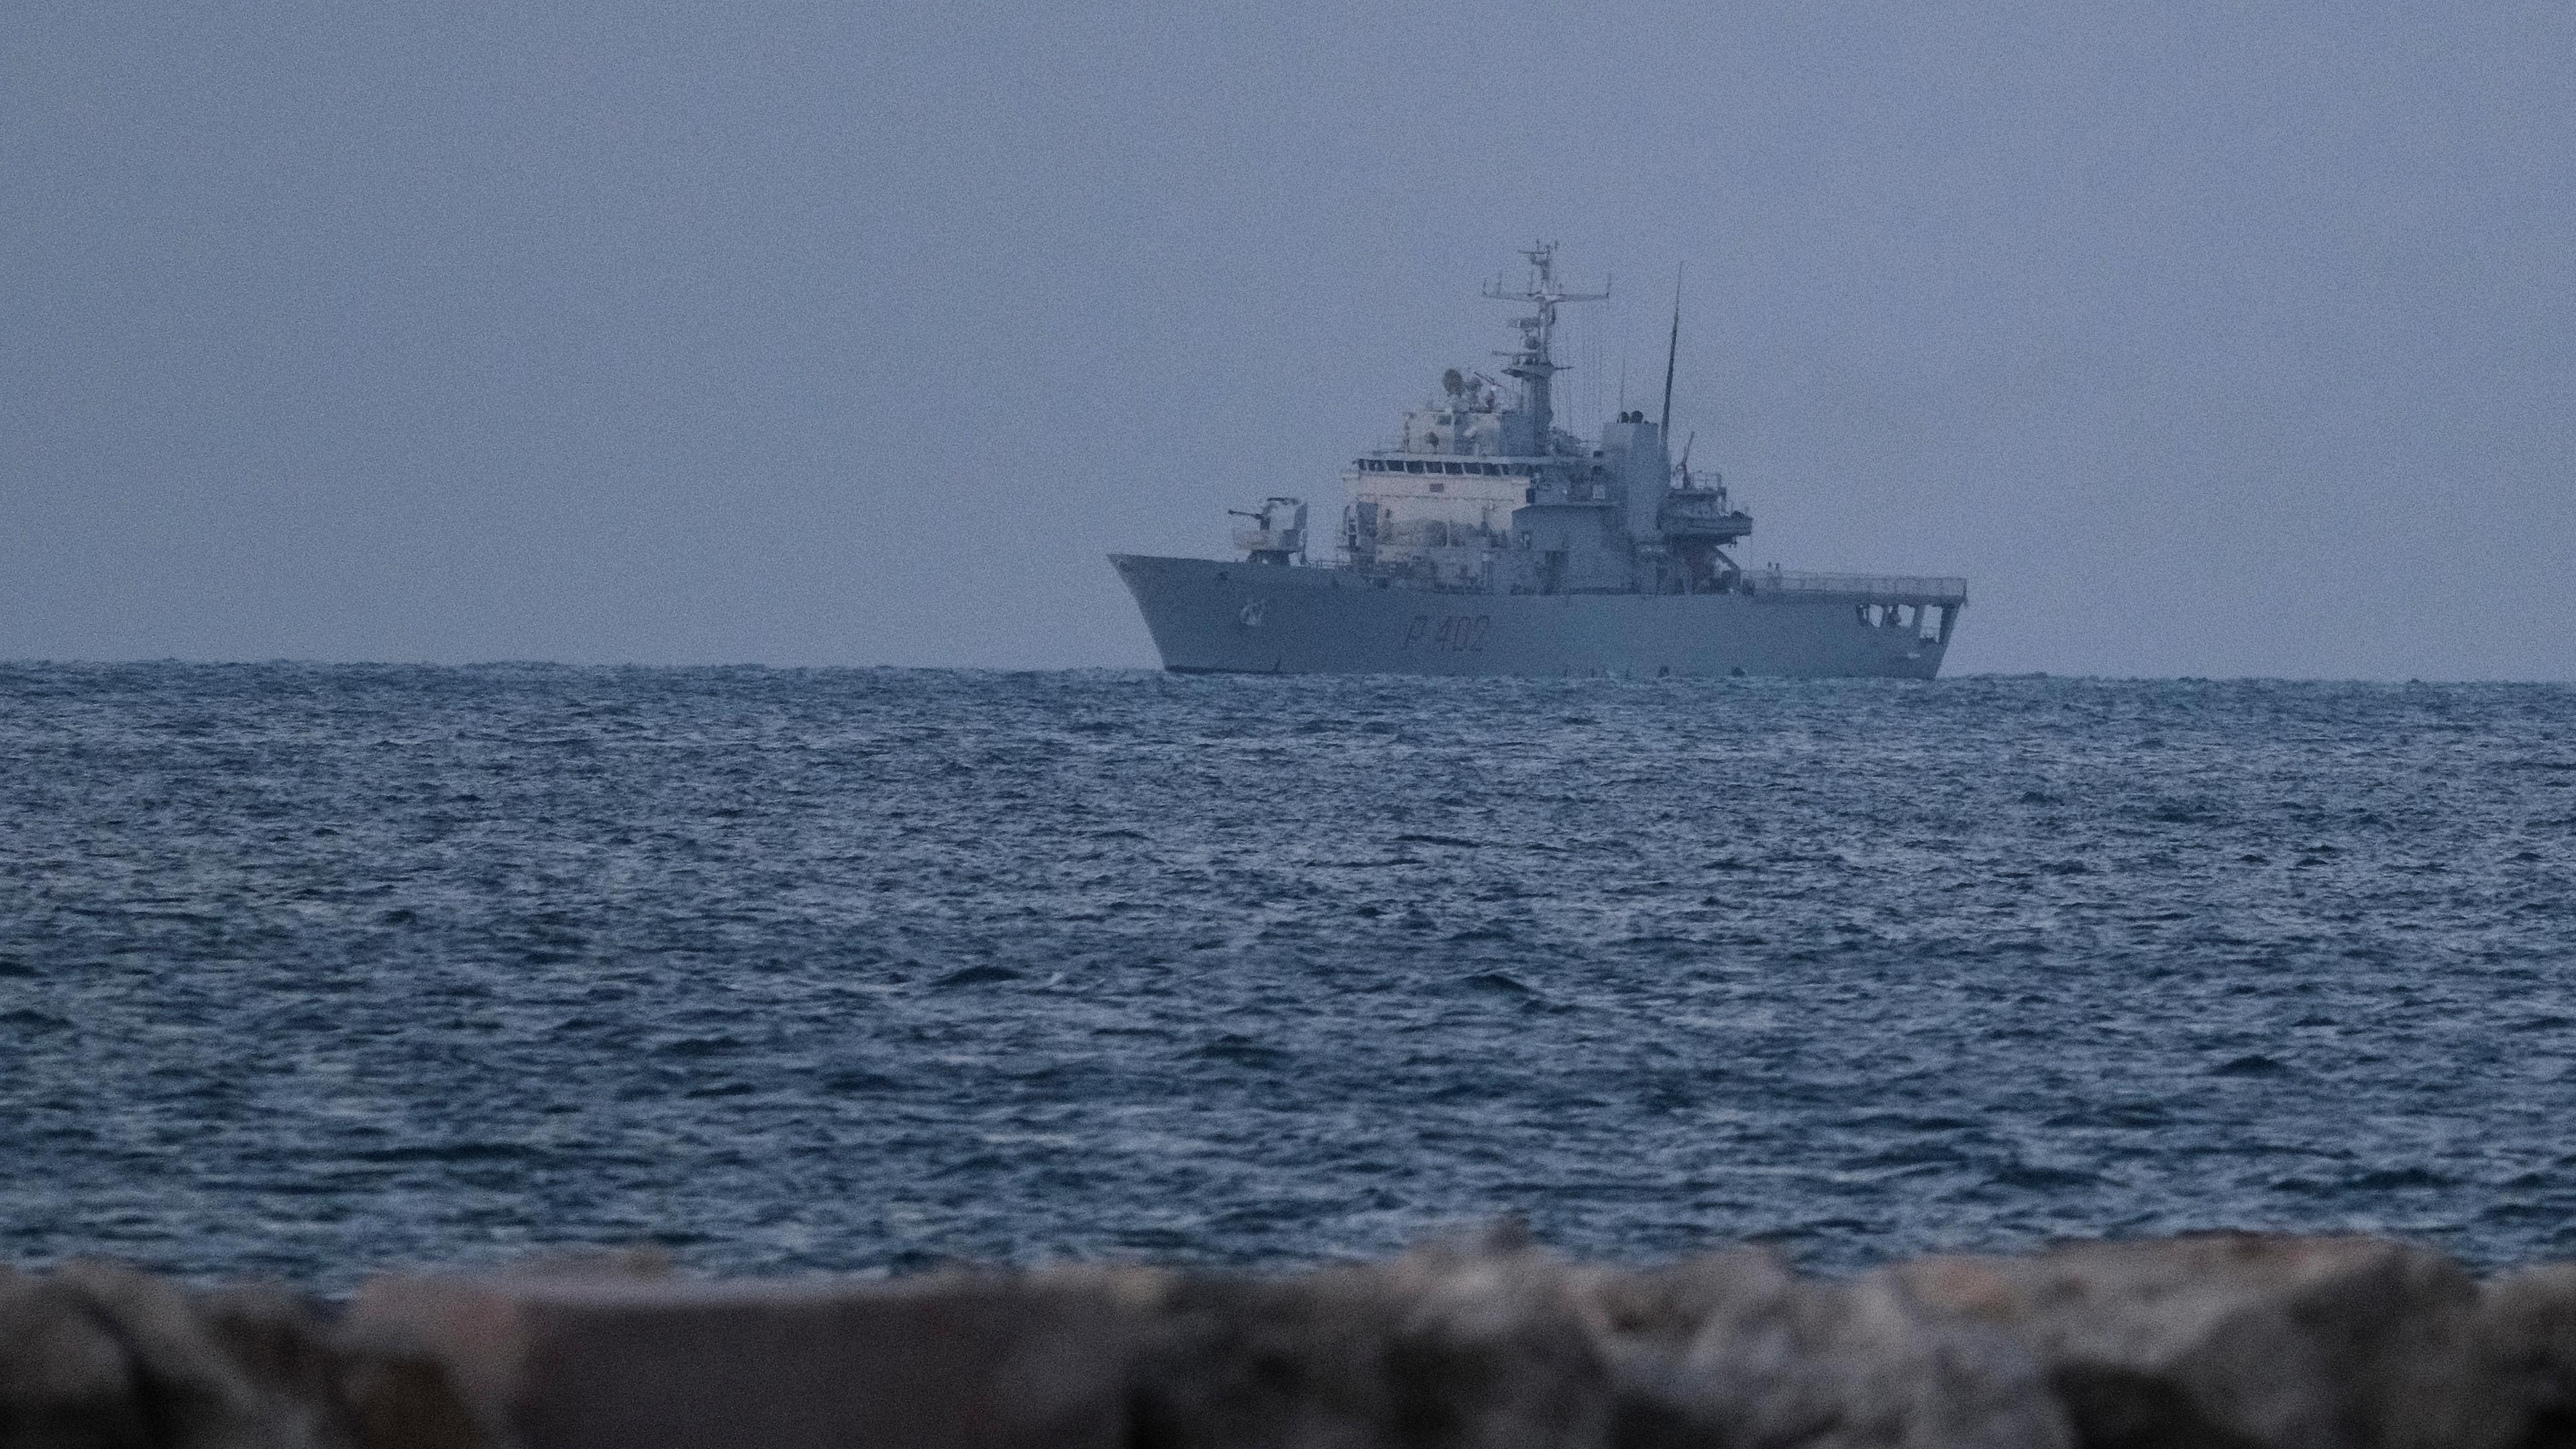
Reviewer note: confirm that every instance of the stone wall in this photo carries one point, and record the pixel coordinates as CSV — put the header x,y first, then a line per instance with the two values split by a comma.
x,y
2221,1341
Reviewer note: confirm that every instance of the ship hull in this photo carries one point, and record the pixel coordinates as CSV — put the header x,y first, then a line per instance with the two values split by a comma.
x,y
1211,616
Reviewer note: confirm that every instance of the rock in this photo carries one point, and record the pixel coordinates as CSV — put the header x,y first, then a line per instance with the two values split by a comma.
x,y
1473,1345
190,1394
973,1360
2527,1336
289,1359
397,1394
1731,1349
1476,1346
2238,1339
2224,1341
106,1357
65,1380
633,1260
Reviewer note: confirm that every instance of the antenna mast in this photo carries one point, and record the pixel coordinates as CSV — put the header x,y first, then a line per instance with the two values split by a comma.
x,y
1533,364
1672,351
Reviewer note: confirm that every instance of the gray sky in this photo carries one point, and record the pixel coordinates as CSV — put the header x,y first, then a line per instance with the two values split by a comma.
x,y
2203,338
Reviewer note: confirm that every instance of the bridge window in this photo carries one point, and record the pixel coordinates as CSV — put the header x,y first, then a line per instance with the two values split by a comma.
x,y
1412,467
1457,467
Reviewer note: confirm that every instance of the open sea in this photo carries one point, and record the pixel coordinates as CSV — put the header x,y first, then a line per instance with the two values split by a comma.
x,y
312,970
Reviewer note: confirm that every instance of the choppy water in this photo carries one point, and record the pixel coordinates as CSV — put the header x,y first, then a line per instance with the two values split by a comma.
x,y
307,970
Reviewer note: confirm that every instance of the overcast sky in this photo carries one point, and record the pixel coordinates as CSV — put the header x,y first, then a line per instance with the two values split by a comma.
x,y
2203,338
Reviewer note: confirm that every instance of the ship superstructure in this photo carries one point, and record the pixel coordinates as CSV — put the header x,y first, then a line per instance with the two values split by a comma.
x,y
1489,540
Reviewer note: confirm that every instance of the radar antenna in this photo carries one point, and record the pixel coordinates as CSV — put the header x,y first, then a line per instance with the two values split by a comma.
x,y
1533,364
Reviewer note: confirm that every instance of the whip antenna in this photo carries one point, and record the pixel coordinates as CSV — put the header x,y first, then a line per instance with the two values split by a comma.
x,y
1672,350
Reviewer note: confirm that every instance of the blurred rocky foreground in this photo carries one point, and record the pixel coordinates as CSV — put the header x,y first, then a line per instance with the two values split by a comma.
x,y
2223,1341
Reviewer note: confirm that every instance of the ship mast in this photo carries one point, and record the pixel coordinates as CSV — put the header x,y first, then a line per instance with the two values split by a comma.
x,y
1533,364
1672,354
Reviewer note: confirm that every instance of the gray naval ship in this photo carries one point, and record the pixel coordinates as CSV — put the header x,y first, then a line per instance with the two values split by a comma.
x,y
1490,541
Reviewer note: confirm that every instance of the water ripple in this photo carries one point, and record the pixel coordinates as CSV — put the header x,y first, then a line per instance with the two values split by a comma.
x,y
304,970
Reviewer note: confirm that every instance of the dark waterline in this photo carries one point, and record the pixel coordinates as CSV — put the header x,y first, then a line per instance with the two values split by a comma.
x,y
307,970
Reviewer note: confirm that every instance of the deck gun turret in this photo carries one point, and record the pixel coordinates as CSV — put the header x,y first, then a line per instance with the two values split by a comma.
x,y
1268,540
